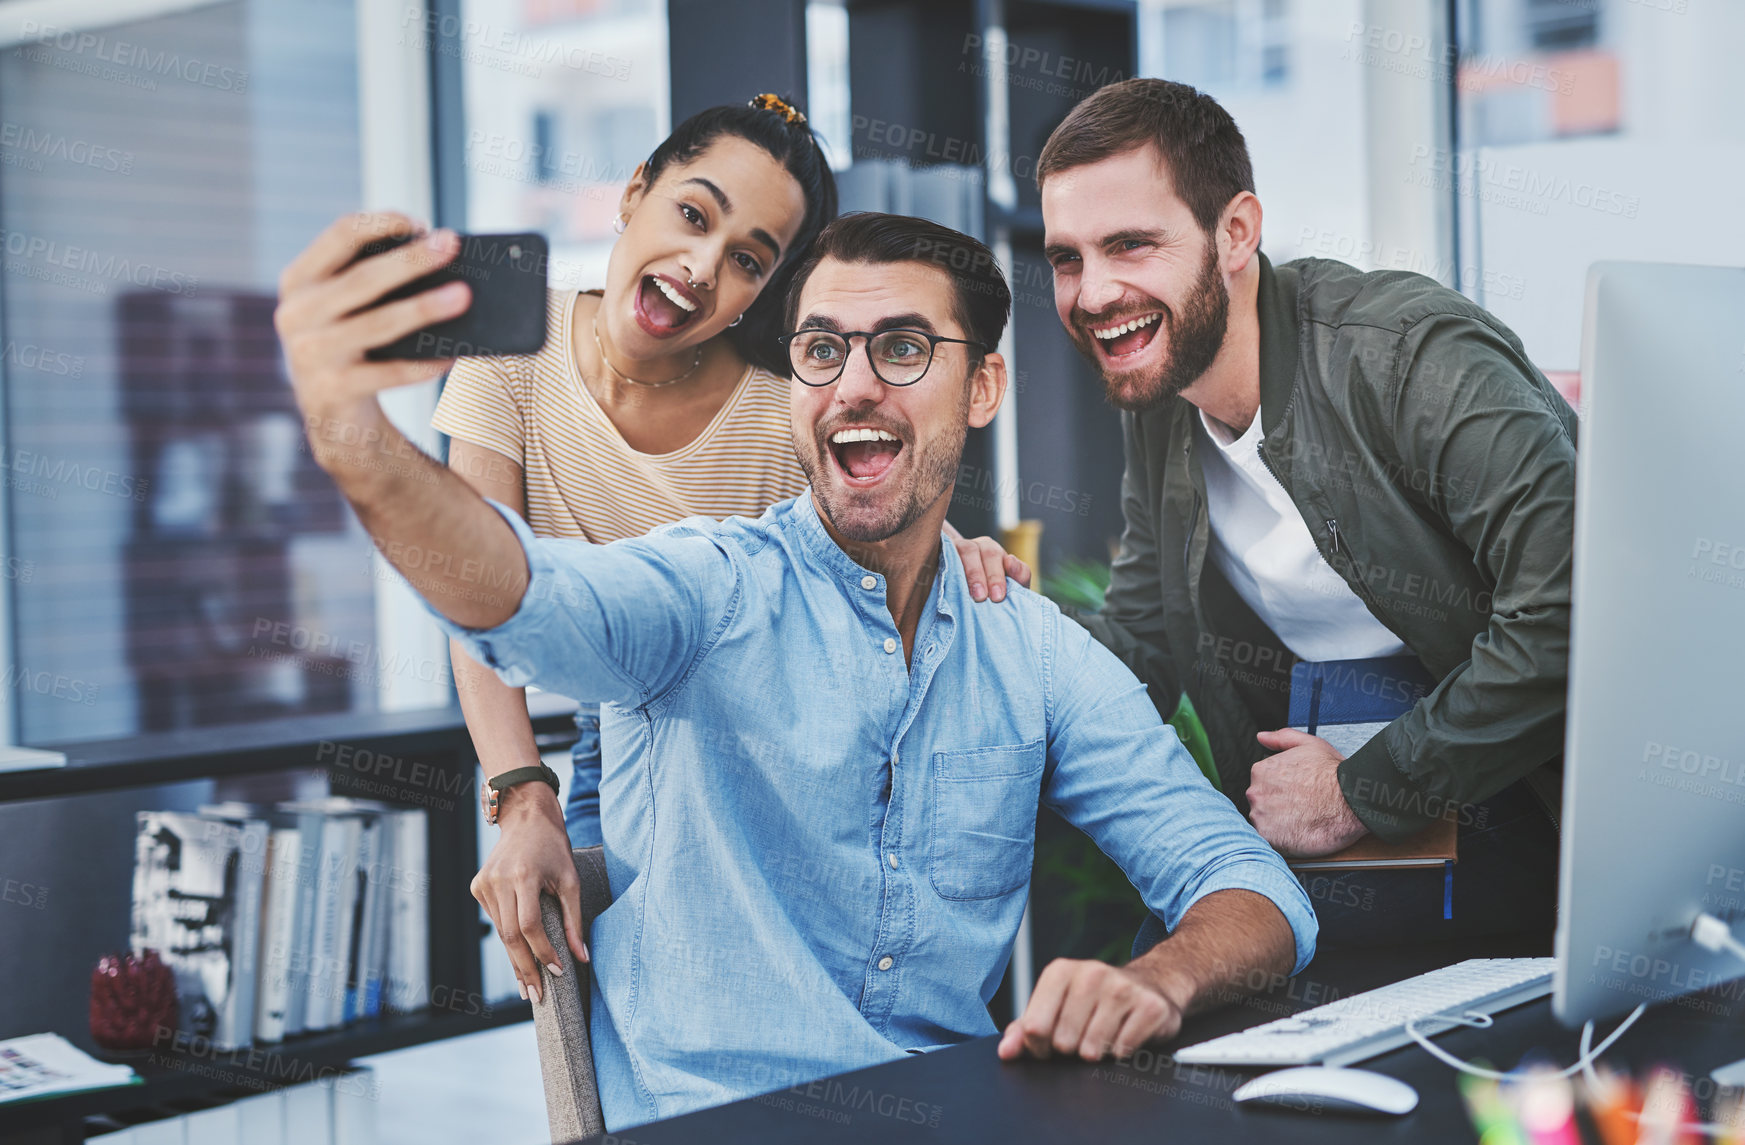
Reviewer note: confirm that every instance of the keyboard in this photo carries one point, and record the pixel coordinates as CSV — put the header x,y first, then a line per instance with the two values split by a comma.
x,y
1360,1026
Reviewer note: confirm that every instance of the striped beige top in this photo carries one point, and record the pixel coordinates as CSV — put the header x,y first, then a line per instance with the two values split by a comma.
x,y
582,478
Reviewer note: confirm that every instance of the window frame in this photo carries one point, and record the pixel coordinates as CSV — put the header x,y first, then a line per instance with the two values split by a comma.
x,y
397,171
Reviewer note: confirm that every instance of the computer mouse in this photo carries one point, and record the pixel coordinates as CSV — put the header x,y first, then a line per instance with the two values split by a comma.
x,y
1317,1089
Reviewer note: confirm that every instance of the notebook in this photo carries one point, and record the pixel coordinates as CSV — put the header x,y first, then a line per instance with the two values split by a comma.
x,y
1347,703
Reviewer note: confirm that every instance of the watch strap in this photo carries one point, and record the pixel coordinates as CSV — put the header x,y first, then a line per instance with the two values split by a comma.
x,y
504,780
491,795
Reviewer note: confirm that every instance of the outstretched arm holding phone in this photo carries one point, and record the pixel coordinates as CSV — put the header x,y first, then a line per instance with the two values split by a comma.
x,y
434,528
427,521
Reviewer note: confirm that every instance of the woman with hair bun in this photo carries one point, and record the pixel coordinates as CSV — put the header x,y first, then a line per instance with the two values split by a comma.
x,y
662,396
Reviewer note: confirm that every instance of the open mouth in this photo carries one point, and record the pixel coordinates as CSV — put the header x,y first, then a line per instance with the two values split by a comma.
x,y
663,307
863,454
1128,337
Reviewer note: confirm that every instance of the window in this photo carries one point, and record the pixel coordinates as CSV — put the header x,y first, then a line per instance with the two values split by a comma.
x,y
176,557
1593,130
1300,80
562,99
1537,69
1558,25
1199,44
1221,45
827,102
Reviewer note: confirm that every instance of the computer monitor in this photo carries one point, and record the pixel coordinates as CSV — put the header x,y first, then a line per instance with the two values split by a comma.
x,y
1654,783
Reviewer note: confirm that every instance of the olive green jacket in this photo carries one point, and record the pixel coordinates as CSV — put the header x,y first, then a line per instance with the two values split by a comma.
x,y
1435,469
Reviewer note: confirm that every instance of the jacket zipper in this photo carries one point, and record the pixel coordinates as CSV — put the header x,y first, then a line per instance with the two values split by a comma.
x,y
1260,448
1334,544
1193,516
1188,545
1188,557
1358,585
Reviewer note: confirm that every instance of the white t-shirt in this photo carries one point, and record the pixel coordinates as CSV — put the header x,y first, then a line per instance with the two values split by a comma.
x,y
1264,549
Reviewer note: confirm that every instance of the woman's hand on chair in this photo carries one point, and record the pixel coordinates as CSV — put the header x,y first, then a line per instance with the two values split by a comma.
x,y
532,856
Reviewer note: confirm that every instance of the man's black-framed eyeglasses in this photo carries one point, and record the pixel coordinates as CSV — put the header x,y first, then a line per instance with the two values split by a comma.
x,y
898,357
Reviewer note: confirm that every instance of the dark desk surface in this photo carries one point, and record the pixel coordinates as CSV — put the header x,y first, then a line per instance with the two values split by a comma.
x,y
967,1095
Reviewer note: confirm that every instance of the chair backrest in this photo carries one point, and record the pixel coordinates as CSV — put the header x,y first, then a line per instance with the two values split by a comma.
x,y
560,1018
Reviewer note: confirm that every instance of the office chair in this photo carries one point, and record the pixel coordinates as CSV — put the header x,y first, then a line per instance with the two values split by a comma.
x,y
560,1018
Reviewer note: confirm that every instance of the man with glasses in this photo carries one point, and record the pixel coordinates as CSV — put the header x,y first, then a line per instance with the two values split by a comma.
x,y
820,836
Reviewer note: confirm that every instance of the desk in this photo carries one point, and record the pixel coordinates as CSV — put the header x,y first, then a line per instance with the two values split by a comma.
x,y
967,1095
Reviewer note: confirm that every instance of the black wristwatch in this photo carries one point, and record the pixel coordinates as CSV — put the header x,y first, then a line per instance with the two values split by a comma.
x,y
491,793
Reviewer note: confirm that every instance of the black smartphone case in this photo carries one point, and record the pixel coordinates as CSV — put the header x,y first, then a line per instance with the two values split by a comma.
x,y
507,315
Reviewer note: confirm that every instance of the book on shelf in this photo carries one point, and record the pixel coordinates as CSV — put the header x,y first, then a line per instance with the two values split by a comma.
x,y
372,977
335,895
298,917
361,953
196,900
278,932
372,924
252,867
295,952
408,966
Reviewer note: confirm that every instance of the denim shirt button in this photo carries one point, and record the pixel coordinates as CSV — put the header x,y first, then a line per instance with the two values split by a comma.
x,y
890,644
893,858
885,962
869,582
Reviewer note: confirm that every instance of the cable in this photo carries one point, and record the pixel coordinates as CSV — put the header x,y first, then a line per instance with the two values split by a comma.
x,y
1594,1083
1707,931
1584,1064
1483,1021
1714,936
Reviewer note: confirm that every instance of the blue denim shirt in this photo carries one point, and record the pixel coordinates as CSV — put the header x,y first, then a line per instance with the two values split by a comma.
x,y
819,855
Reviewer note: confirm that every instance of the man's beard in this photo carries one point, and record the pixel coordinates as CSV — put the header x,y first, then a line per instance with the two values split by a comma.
x,y
1196,334
932,471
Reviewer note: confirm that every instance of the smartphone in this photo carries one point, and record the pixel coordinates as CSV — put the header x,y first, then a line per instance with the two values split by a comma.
x,y
507,315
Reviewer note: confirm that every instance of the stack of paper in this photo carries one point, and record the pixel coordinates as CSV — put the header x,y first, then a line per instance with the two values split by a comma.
x,y
44,1064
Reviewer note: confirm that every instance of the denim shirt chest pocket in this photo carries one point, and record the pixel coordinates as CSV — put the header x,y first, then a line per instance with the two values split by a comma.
x,y
983,824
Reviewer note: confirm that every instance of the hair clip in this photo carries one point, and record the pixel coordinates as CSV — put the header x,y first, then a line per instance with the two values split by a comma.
x,y
769,101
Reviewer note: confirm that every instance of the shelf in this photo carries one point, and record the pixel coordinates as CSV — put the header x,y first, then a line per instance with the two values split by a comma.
x,y
253,748
170,1076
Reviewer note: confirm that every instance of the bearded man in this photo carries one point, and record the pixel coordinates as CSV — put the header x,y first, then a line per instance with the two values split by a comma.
x,y
1349,507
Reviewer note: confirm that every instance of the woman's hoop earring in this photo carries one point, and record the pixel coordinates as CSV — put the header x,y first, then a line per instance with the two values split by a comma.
x,y
618,223
738,320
